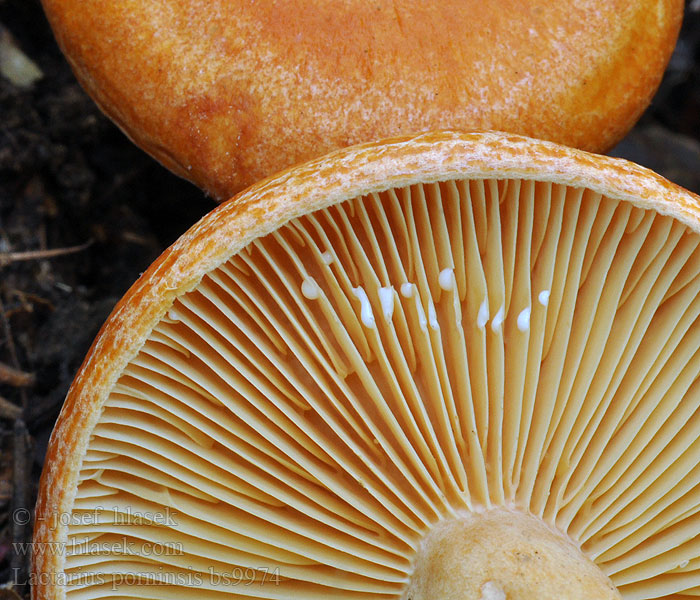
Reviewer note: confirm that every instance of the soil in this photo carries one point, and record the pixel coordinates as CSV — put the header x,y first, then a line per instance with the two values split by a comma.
x,y
71,183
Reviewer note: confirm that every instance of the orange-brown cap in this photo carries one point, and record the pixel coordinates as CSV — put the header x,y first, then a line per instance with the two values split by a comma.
x,y
227,92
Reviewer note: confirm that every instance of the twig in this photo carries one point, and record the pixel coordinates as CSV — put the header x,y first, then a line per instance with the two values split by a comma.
x,y
9,257
13,351
15,377
9,410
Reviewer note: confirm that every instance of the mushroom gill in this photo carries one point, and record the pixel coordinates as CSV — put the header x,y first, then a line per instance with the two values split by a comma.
x,y
474,388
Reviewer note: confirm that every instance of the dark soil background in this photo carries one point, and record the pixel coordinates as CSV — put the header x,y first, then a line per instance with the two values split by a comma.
x,y
83,212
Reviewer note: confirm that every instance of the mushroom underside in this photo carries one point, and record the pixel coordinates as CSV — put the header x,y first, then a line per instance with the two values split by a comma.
x,y
299,424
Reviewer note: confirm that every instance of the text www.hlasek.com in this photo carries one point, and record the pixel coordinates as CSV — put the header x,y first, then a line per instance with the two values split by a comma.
x,y
122,545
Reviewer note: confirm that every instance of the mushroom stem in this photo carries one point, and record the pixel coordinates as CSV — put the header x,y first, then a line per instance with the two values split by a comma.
x,y
503,555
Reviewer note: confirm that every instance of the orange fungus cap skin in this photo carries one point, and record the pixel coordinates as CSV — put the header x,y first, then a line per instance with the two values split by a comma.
x,y
225,93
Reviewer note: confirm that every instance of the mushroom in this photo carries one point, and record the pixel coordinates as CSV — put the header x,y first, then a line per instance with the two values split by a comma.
x,y
444,366
226,93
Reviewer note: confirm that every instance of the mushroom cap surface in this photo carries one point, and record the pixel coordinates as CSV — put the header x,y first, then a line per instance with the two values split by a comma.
x,y
354,369
225,93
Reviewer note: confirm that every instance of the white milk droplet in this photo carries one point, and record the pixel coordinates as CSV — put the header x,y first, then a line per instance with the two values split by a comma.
x,y
446,279
483,317
524,319
310,289
386,299
683,564
174,315
432,316
498,319
407,289
327,258
422,321
543,297
457,307
365,307
492,591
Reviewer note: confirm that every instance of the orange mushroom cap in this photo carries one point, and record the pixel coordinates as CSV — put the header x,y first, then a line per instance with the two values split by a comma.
x,y
225,93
